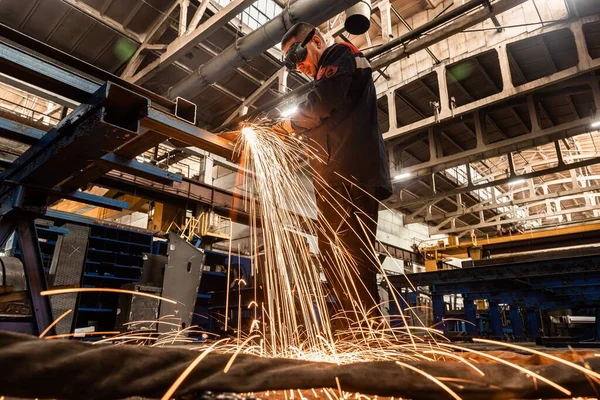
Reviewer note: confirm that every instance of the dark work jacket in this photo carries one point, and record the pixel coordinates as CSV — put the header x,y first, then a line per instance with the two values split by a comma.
x,y
339,118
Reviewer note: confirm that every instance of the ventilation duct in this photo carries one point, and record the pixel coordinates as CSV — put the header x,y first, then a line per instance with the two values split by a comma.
x,y
358,18
314,12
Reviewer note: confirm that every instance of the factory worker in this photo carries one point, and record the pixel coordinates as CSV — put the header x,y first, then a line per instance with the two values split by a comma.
x,y
339,120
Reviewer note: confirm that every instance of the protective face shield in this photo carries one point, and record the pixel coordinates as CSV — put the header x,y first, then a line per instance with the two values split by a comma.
x,y
298,52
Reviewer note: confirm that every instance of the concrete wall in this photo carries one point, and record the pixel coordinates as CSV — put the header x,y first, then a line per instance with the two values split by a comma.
x,y
137,219
391,230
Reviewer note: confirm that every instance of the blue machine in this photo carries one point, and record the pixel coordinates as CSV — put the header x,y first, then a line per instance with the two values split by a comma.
x,y
517,289
115,122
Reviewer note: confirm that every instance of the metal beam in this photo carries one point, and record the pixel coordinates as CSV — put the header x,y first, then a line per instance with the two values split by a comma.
x,y
456,26
184,43
535,138
34,273
197,16
496,220
37,91
466,189
18,132
138,56
133,167
255,95
186,193
91,131
103,19
25,67
98,201
585,65
52,77
183,9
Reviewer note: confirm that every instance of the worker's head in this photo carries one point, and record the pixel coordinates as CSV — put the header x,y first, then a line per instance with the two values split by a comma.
x,y
307,59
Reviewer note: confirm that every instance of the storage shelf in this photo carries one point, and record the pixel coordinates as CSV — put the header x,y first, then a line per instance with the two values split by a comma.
x,y
127,266
94,275
119,253
89,309
52,229
147,245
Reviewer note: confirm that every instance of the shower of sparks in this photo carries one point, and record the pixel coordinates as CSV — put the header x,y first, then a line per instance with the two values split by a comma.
x,y
82,290
294,320
298,320
56,321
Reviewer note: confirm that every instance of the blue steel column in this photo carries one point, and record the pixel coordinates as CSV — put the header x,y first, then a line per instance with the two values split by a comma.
x,y
495,319
598,324
532,320
34,273
515,321
439,312
471,317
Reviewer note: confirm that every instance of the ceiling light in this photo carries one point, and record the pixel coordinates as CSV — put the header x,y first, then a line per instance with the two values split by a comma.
x,y
554,216
288,112
516,182
596,124
402,176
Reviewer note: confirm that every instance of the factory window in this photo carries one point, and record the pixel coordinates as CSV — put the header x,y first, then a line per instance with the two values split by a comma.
x,y
258,13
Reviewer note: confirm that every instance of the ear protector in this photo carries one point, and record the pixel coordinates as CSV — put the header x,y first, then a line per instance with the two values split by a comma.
x,y
298,52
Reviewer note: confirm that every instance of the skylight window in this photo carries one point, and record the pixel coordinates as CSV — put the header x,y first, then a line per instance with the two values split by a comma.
x,y
258,13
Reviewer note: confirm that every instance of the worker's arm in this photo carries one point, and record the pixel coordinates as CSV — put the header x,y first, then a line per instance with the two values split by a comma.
x,y
330,91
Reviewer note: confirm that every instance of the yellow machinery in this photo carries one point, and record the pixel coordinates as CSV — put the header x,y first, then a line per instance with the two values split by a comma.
x,y
472,248
209,226
437,254
434,256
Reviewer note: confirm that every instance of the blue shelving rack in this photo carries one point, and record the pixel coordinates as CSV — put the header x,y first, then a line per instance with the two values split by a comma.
x,y
47,238
114,258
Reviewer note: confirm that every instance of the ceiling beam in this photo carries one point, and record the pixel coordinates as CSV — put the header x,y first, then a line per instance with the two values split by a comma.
x,y
262,89
186,42
197,16
456,26
103,19
153,33
466,189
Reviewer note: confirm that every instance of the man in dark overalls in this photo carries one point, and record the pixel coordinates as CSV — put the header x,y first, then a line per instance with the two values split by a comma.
x,y
351,170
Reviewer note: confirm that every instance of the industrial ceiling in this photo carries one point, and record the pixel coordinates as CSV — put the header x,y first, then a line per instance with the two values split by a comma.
x,y
126,37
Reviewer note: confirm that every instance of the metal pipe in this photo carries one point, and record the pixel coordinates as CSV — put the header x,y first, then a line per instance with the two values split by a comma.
x,y
358,18
417,32
401,18
302,90
311,11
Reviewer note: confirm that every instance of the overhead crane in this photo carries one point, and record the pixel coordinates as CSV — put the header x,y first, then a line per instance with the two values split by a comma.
x,y
527,241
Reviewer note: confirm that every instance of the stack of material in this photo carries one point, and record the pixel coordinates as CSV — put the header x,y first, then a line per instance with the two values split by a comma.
x,y
76,370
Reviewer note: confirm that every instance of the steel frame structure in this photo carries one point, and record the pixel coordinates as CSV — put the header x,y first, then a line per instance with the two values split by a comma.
x,y
528,285
111,126
570,80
